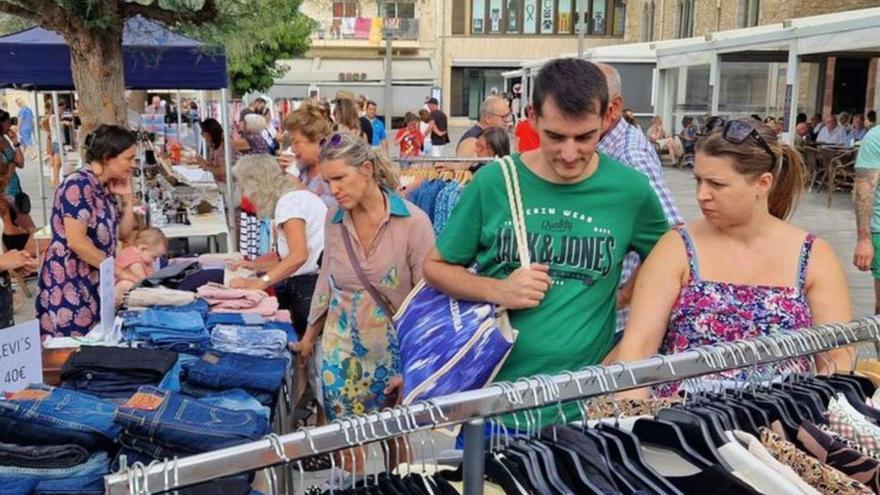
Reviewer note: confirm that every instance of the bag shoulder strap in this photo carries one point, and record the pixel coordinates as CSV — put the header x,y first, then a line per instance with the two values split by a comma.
x,y
517,214
377,296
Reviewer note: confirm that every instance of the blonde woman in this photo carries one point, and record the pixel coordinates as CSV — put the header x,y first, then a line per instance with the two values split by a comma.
x,y
298,219
389,239
658,135
307,127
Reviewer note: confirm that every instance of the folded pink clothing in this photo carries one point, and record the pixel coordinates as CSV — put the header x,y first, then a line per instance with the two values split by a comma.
x,y
267,307
282,316
214,293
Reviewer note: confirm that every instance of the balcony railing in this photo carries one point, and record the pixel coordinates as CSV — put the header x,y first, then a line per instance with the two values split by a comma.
x,y
366,28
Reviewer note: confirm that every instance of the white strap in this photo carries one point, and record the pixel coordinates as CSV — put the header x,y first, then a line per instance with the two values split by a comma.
x,y
514,199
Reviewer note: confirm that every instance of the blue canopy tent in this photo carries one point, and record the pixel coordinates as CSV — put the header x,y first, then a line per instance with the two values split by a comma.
x,y
153,57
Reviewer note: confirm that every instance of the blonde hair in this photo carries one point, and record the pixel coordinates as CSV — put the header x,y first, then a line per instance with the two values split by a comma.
x,y
151,236
355,151
751,160
254,123
263,182
310,120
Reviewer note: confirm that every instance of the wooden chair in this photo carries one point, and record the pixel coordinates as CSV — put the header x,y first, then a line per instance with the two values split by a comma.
x,y
842,173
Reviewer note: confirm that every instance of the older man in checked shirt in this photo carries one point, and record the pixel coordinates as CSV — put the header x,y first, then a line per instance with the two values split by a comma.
x,y
629,145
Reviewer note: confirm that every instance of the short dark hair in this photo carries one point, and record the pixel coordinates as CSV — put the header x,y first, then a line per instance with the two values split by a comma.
x,y
756,117
497,139
872,115
372,103
215,130
410,117
578,87
432,101
108,141
801,118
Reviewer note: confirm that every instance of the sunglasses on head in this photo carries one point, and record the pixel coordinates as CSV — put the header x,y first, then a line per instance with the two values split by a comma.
x,y
333,141
738,131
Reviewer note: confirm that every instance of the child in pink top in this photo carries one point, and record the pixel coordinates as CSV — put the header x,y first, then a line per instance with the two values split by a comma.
x,y
135,262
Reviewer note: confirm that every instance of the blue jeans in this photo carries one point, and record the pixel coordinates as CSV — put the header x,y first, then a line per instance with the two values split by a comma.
x,y
183,321
175,421
254,341
45,457
199,306
85,478
249,319
222,370
237,399
265,398
171,382
51,416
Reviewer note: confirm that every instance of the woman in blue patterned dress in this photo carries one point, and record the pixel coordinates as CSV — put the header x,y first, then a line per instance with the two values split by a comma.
x,y
92,209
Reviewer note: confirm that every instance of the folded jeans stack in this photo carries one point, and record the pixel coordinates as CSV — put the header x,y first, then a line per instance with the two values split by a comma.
x,y
84,478
167,330
250,319
44,415
218,370
171,422
115,372
250,340
42,456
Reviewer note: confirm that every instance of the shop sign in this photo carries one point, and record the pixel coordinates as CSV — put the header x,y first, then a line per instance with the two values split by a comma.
x,y
21,360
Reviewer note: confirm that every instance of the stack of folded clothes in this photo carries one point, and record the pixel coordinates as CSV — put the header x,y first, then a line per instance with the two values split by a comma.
x,y
217,371
170,330
115,372
55,440
225,300
161,424
251,340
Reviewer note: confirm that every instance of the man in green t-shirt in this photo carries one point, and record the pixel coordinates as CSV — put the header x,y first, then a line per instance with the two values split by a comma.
x,y
583,212
867,255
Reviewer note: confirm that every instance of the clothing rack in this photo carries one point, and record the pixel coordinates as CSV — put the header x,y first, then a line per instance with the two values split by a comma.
x,y
471,408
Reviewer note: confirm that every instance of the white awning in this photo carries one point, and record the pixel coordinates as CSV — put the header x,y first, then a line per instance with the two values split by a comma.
x,y
854,30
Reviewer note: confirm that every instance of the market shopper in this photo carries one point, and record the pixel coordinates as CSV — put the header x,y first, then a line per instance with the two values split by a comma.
x,y
91,212
252,141
298,218
389,238
212,132
12,159
308,126
11,259
741,271
584,211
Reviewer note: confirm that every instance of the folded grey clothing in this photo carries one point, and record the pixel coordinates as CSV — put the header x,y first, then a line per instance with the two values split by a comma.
x,y
159,296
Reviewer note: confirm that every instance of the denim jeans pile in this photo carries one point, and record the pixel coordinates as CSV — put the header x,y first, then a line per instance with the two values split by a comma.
x,y
115,372
249,319
218,370
55,440
162,424
252,340
166,329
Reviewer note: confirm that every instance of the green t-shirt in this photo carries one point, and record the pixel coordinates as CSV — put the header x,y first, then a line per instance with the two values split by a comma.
x,y
869,157
582,231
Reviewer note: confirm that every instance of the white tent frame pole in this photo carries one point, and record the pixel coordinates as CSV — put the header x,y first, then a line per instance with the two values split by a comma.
x,y
39,143
179,118
227,154
203,114
59,137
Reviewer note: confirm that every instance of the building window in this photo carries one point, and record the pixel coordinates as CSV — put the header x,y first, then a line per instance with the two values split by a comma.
x,y
748,13
648,17
400,10
686,13
344,15
470,86
603,17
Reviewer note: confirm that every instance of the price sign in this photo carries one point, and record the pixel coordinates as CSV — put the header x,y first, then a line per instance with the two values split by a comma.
x,y
107,292
21,359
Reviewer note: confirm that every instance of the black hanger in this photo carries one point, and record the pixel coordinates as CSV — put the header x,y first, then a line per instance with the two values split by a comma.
x,y
669,435
623,482
508,474
548,462
774,411
758,414
527,461
569,462
704,438
865,383
744,419
633,451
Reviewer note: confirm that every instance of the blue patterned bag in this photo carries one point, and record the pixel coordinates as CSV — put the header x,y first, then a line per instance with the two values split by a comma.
x,y
447,345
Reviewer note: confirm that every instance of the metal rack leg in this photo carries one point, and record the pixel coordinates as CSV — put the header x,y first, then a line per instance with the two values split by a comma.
x,y
474,456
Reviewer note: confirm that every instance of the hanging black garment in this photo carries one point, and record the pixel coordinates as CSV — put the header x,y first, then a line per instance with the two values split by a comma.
x,y
715,481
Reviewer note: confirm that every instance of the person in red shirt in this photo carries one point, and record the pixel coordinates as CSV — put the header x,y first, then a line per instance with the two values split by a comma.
x,y
409,138
527,138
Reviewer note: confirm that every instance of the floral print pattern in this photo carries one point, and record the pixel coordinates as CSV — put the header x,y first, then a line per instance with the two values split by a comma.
x,y
709,312
68,303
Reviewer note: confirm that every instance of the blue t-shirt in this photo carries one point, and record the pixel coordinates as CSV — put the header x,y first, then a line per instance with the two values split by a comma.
x,y
378,132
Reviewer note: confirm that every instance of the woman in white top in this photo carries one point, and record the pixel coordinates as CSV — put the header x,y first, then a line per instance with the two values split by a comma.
x,y
298,217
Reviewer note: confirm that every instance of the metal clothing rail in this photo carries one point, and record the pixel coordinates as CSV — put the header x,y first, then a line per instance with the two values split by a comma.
x,y
470,408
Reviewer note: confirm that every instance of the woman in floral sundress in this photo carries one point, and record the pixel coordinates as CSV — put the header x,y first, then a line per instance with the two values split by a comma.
x,y
741,271
92,210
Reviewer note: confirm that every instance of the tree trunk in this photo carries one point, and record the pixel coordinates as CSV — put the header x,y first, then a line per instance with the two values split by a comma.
x,y
98,74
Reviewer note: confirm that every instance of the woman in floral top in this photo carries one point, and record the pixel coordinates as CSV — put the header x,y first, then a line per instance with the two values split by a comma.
x,y
390,238
92,211
741,271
